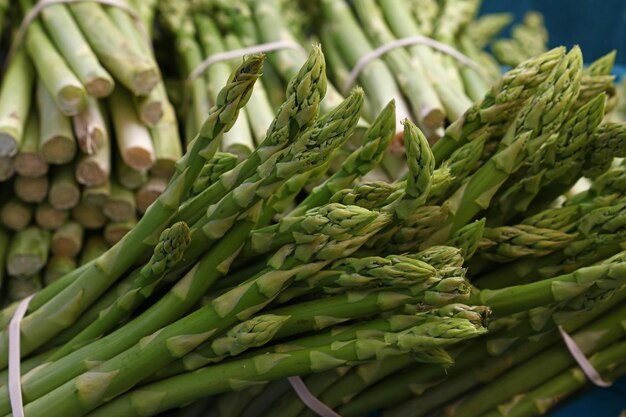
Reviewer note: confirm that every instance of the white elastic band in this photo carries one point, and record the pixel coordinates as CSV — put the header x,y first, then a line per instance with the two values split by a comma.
x,y
399,43
42,4
309,399
15,384
582,360
238,53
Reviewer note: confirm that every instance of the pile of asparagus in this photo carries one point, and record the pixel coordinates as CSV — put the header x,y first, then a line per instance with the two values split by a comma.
x,y
528,38
233,278
88,137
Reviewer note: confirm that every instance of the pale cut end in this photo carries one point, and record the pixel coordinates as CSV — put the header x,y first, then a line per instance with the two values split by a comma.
x,y
148,194
21,265
113,232
30,165
139,158
433,118
151,113
16,218
7,168
58,150
91,174
65,246
71,100
118,210
100,87
95,199
49,218
8,145
89,217
164,168
64,197
31,190
144,81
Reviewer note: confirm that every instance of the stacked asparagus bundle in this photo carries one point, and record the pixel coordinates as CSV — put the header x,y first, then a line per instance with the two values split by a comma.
x,y
528,38
88,137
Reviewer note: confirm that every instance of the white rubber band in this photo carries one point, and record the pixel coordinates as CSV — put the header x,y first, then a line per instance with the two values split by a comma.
x,y
309,399
15,385
582,361
402,42
239,53
42,4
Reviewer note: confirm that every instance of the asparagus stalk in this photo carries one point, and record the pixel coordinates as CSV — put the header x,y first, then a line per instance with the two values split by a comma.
x,y
607,143
290,363
15,101
211,172
94,170
142,282
491,117
56,143
544,397
529,132
67,240
28,252
239,139
7,168
93,248
57,267
127,176
31,190
18,289
90,217
115,231
64,88
29,162
299,110
133,138
117,53
4,245
149,193
90,127
120,205
50,218
358,163
223,311
75,50
376,78
167,143
409,74
64,192
15,214
590,339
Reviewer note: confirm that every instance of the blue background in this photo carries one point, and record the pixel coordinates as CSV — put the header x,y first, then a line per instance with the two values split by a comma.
x,y
598,26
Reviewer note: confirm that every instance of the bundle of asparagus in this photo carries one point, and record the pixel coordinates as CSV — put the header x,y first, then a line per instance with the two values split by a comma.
x,y
88,137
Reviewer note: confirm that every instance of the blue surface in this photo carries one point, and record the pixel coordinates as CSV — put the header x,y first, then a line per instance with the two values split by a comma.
x,y
596,402
598,26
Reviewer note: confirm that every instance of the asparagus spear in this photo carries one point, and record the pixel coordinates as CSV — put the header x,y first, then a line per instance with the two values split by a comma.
x,y
167,143
15,214
93,248
50,218
409,74
590,339
90,127
117,53
56,143
140,285
608,143
299,111
127,176
7,168
293,261
77,52
530,130
358,163
4,245
18,289
507,243
28,252
115,231
94,170
211,172
67,240
64,88
149,193
133,138
295,363
120,205
57,267
29,162
15,101
64,192
544,397
90,217
491,117
31,190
